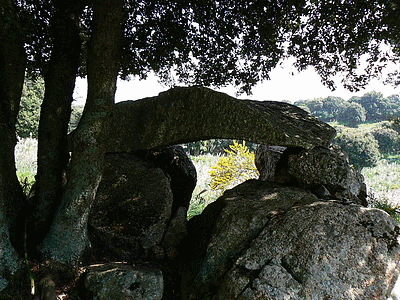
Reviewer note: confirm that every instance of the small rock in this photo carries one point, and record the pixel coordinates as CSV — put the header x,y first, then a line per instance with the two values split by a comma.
x,y
123,282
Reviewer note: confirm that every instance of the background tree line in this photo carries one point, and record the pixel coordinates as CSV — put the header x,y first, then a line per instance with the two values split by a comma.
x,y
367,126
371,107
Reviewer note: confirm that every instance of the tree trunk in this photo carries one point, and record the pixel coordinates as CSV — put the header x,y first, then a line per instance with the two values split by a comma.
x,y
12,70
67,238
54,117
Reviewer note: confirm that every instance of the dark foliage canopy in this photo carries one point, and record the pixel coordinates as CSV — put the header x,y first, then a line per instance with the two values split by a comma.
x,y
215,43
333,35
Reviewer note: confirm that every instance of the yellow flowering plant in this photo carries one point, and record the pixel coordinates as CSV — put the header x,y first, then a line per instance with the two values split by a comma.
x,y
236,167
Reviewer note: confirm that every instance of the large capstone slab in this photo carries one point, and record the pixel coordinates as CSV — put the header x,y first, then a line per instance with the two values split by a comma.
x,y
188,114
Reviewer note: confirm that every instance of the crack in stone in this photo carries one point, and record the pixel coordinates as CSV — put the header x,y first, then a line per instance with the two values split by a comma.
x,y
289,269
254,274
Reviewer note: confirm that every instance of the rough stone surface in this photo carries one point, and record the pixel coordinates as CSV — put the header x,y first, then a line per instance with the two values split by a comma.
x,y
190,114
273,242
175,233
325,171
266,159
330,168
180,171
395,295
227,226
131,210
319,251
123,282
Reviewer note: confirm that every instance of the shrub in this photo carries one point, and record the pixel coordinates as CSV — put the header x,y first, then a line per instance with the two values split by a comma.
x,y
363,149
394,123
29,112
388,140
212,146
351,114
393,209
324,109
305,108
235,168
332,106
314,106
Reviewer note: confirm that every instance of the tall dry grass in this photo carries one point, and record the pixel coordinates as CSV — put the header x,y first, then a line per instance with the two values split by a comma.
x,y
25,162
383,181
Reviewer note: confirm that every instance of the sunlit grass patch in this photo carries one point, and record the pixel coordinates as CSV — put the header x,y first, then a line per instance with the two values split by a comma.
x,y
383,179
203,194
381,202
392,209
383,182
25,162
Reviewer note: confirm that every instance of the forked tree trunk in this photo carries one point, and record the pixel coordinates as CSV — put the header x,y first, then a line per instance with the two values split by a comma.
x,y
54,117
67,238
12,69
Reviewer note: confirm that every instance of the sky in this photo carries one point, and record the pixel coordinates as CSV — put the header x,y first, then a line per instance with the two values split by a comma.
x,y
282,86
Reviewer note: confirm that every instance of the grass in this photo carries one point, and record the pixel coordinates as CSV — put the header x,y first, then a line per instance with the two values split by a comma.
x,y
383,182
384,179
203,194
25,162
392,209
